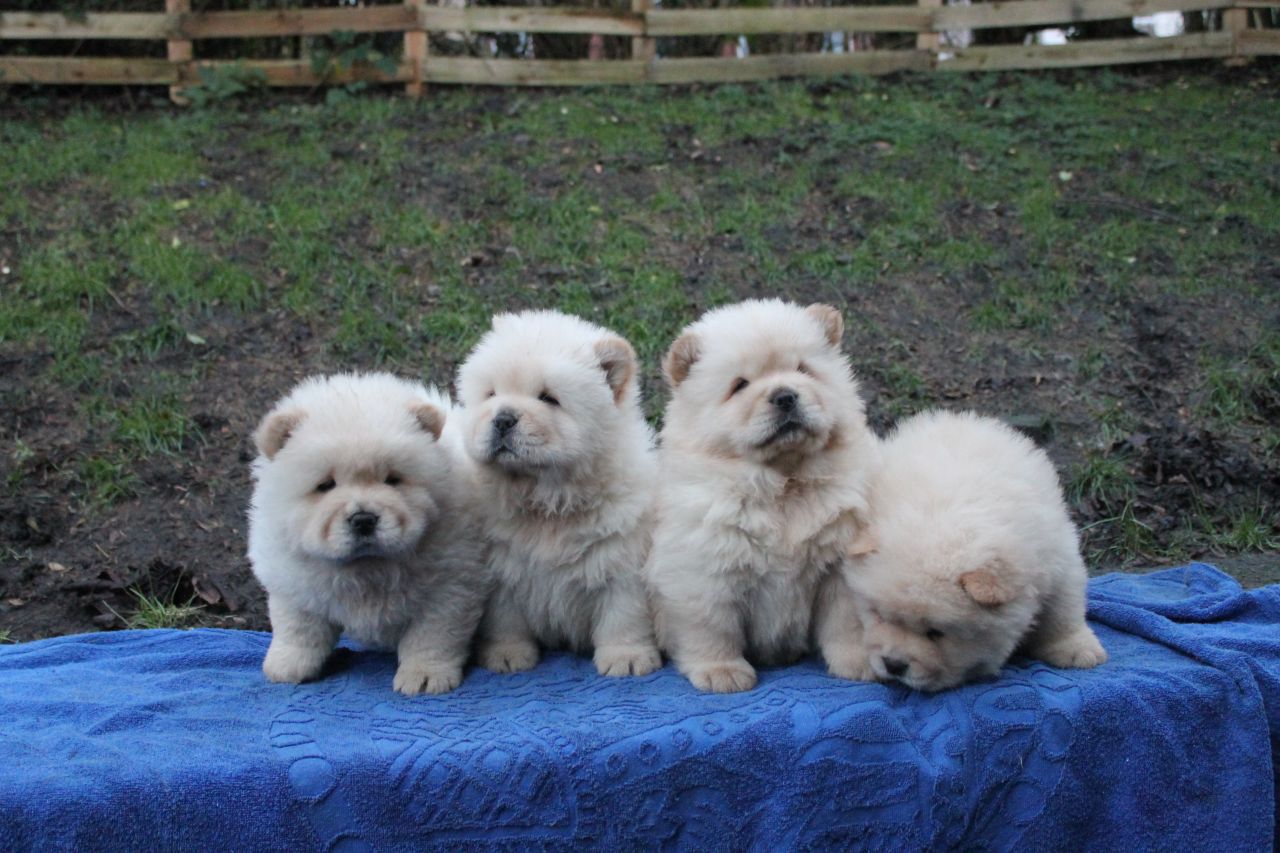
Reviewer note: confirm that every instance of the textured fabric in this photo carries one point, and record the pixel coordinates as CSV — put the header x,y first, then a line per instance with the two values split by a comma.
x,y
166,740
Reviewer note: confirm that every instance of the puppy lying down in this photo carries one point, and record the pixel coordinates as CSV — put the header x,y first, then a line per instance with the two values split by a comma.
x,y
969,555
360,521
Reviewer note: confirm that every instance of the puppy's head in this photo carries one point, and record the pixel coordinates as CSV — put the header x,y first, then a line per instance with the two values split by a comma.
x,y
933,622
544,392
351,466
762,380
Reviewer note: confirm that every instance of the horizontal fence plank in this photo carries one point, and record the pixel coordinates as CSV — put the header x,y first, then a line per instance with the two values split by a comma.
x,y
300,73
532,72
106,25
742,21
1258,43
298,22
1077,54
111,71
654,23
1024,13
514,19
774,66
98,71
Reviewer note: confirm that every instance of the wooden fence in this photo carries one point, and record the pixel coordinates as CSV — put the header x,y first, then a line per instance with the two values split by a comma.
x,y
415,66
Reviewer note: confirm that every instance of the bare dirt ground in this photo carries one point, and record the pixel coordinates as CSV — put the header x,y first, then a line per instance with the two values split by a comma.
x,y
125,446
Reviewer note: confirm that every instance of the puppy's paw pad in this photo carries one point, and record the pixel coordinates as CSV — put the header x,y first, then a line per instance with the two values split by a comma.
x,y
509,657
732,677
851,663
627,660
413,679
1079,651
293,666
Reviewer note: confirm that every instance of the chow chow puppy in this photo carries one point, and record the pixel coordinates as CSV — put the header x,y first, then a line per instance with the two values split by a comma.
x,y
969,555
763,463
566,471
362,521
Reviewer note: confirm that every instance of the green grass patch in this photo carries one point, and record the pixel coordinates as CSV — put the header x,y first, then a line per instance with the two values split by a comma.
x,y
1100,478
153,611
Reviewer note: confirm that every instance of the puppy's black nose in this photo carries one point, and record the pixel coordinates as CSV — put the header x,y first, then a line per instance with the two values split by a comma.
x,y
505,421
363,523
894,667
785,399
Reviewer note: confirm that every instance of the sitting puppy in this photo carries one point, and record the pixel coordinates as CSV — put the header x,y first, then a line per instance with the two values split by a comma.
x,y
969,554
566,471
762,468
361,522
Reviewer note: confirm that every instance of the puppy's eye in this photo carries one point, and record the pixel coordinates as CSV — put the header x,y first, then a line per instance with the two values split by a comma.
x,y
548,399
393,480
738,385
804,368
934,634
326,486
490,394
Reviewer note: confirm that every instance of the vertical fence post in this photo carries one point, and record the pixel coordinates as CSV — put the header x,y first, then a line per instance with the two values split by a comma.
x,y
643,47
1235,21
179,50
929,40
415,48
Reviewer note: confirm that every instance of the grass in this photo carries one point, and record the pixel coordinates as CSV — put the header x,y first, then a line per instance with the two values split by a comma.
x,y
152,611
149,251
1101,479
1251,530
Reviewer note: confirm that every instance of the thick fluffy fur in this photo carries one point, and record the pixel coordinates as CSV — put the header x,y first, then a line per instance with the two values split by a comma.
x,y
361,521
566,468
762,464
970,553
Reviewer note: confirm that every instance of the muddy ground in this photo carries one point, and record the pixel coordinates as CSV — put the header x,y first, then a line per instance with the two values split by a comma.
x,y
177,532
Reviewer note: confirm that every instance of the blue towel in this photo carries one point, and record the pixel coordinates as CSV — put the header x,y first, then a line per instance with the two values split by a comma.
x,y
169,740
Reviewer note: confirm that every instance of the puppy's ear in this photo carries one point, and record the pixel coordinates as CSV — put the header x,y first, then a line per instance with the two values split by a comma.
x,y
830,320
275,430
985,587
429,418
680,358
619,362
863,545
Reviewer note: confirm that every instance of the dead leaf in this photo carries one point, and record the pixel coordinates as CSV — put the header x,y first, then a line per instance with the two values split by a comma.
x,y
57,567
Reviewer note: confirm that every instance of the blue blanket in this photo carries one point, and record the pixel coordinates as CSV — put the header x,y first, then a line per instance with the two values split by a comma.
x,y
172,740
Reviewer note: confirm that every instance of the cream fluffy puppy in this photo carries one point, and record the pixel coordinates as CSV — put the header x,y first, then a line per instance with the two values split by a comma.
x,y
566,469
762,468
361,521
970,554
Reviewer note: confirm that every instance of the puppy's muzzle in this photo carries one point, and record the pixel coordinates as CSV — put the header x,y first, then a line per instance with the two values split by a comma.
x,y
896,668
363,524
504,423
789,417
784,400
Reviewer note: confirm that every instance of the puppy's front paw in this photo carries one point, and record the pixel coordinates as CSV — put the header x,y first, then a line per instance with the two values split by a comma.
x,y
627,660
851,662
293,664
723,677
515,656
1081,650
413,677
